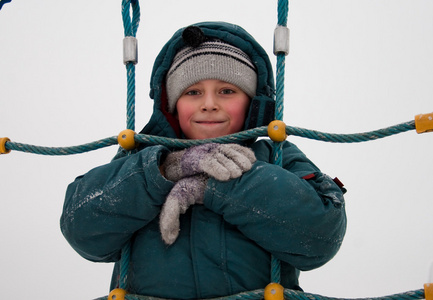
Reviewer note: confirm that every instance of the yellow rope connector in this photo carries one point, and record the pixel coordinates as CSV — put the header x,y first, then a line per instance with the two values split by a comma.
x,y
424,123
3,149
277,131
126,139
274,291
428,291
117,294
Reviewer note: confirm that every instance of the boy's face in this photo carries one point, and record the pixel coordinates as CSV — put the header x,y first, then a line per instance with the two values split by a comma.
x,y
212,108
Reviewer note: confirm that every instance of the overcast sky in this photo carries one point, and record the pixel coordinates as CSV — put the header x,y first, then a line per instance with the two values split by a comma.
x,y
354,66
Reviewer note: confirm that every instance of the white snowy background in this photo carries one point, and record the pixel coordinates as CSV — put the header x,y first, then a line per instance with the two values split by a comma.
x,y
354,66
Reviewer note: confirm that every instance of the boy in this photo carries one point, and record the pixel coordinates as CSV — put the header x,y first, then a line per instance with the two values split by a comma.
x,y
209,80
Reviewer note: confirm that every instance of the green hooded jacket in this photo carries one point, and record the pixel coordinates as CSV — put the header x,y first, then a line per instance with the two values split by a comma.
x,y
293,212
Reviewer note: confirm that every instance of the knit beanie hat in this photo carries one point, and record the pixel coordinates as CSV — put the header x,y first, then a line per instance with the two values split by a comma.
x,y
212,59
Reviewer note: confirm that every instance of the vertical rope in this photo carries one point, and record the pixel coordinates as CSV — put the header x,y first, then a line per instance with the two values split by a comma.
x,y
130,100
283,10
130,29
124,266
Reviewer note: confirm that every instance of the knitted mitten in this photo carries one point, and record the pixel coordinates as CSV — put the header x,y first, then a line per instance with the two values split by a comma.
x,y
220,161
186,192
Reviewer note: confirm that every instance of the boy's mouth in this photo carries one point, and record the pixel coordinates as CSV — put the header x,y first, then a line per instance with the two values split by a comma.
x,y
209,122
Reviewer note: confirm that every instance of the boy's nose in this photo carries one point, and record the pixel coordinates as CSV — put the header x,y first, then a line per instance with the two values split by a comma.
x,y
209,103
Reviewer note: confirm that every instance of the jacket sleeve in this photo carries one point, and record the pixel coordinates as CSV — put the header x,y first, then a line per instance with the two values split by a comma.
x,y
104,207
300,221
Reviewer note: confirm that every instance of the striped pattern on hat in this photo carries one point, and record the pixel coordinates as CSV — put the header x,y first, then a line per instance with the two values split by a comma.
x,y
210,60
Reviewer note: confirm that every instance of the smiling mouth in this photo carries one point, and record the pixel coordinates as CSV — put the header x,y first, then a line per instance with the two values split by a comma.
x,y
209,122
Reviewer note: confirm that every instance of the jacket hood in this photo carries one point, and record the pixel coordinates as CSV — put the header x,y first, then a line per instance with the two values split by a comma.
x,y
262,106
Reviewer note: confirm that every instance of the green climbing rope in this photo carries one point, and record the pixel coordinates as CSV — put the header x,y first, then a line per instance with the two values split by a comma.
x,y
130,29
293,295
277,153
240,136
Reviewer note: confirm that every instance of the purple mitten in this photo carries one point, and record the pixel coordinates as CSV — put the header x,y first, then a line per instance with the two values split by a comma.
x,y
220,161
186,192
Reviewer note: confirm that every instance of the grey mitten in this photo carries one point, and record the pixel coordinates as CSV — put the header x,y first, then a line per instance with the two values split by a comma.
x,y
186,192
220,161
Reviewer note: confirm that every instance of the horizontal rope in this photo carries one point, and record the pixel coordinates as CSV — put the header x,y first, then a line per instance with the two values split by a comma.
x,y
351,138
417,294
240,136
61,150
291,294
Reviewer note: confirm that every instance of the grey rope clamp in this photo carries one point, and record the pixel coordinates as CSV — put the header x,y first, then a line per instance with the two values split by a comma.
x,y
281,40
130,50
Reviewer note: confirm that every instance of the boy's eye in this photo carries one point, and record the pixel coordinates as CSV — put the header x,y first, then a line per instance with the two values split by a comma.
x,y
227,91
192,92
